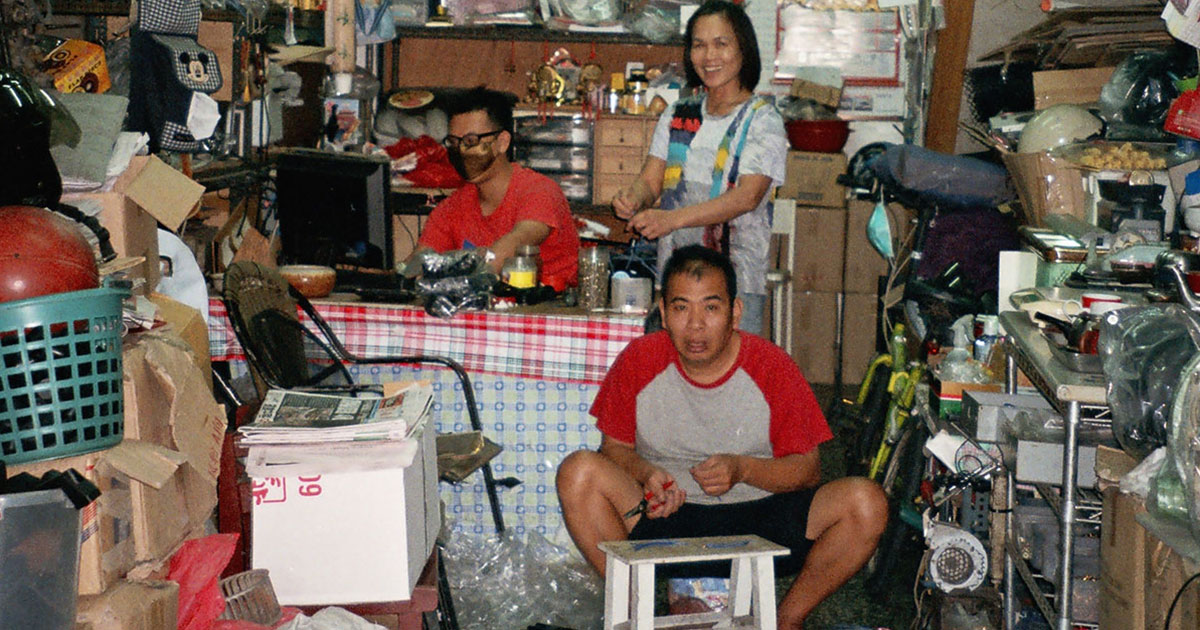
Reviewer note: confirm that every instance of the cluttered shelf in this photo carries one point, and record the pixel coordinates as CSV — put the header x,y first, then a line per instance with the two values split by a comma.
x,y
506,32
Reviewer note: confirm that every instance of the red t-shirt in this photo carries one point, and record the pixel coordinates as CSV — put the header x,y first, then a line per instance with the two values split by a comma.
x,y
762,407
458,222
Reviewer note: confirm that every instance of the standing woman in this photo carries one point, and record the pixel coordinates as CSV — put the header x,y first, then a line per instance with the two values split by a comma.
x,y
715,157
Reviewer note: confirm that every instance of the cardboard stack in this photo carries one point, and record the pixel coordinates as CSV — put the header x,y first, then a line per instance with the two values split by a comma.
x,y
158,486
833,260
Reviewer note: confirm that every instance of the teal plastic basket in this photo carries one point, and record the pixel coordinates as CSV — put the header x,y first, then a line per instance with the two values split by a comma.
x,y
60,375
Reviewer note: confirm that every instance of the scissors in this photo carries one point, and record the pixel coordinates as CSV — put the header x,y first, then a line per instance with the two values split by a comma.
x,y
644,505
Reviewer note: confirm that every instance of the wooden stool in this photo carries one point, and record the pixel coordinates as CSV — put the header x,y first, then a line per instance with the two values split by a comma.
x,y
629,594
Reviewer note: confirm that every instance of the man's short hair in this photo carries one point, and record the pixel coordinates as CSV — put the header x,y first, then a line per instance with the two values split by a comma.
x,y
498,105
694,260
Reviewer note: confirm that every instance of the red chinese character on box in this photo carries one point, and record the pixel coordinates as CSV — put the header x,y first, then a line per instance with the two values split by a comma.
x,y
269,490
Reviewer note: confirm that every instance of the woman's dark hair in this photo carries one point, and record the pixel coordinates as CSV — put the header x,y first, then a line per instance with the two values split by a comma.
x,y
747,43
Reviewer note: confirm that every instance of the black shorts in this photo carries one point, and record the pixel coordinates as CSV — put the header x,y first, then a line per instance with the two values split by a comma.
x,y
780,518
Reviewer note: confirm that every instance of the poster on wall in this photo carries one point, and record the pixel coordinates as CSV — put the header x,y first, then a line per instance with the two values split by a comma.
x,y
865,47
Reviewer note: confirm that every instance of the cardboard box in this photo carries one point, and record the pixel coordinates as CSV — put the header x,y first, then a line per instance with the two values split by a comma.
x,y
949,394
348,536
1122,562
149,191
812,179
1045,184
168,402
78,66
1166,570
814,333
131,606
859,328
1080,85
864,265
819,255
106,547
189,324
824,90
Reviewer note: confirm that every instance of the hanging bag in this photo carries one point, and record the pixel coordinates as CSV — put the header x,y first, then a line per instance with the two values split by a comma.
x,y
172,76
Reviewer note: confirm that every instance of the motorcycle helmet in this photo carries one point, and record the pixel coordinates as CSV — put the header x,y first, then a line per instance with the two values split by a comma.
x,y
42,253
33,120
1058,125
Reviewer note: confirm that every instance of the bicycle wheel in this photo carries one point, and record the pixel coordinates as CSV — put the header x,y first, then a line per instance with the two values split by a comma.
x,y
872,419
902,484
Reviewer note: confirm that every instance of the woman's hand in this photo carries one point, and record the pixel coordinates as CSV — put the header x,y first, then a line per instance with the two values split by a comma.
x,y
653,223
627,202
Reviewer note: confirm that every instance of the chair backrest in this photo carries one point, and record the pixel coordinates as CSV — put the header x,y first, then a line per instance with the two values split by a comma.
x,y
280,350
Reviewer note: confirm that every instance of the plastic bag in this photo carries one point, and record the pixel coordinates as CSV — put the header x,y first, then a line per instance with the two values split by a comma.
x,y
197,567
331,618
1143,350
453,281
657,22
1138,96
1184,440
506,581
433,168
588,11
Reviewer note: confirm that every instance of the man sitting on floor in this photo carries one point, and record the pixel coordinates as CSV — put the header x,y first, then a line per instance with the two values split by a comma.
x,y
720,429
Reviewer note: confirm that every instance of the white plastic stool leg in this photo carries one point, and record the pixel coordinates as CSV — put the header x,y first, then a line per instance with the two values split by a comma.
x,y
764,592
643,597
741,585
616,592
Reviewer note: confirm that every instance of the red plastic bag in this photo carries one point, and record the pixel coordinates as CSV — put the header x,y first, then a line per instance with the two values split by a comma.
x,y
197,568
238,624
433,167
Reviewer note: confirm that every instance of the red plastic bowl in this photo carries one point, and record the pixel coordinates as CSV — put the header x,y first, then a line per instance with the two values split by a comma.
x,y
818,136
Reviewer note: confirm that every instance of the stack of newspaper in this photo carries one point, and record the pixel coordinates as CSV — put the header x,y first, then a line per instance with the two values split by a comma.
x,y
309,433
297,417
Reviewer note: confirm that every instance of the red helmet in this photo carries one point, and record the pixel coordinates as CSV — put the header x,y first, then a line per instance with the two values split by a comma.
x,y
42,253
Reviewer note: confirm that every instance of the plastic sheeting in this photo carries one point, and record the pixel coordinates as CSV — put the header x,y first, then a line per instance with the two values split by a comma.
x,y
504,581
1144,351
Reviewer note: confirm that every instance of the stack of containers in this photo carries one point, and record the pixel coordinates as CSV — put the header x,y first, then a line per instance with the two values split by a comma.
x,y
560,147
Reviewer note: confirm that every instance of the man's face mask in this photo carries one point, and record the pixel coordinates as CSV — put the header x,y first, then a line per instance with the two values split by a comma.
x,y
472,155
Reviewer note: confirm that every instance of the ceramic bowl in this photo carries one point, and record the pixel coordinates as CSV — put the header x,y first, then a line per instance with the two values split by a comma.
x,y
312,281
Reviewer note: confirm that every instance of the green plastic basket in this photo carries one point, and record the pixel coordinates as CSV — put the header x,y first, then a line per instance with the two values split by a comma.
x,y
60,375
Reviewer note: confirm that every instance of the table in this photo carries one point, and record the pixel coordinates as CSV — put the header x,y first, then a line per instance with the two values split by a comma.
x,y
1068,391
535,373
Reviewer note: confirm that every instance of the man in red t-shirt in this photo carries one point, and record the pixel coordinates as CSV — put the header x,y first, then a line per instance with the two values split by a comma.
x,y
503,205
719,430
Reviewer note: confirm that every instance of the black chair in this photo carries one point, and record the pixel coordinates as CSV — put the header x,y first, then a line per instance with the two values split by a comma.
x,y
284,353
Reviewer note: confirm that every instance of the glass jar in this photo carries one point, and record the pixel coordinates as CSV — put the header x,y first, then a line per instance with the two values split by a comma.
x,y
636,100
594,265
522,270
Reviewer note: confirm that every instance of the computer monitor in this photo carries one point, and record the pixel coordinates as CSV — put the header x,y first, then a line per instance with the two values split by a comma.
x,y
334,209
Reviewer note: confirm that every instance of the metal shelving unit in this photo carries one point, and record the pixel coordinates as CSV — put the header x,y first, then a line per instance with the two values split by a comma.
x,y
1081,399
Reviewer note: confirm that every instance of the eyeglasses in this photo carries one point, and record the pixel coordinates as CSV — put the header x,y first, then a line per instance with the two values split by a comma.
x,y
468,141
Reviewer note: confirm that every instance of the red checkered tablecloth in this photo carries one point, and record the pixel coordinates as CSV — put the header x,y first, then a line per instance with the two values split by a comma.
x,y
560,347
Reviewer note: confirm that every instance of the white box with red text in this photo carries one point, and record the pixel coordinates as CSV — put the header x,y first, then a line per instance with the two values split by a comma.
x,y
348,537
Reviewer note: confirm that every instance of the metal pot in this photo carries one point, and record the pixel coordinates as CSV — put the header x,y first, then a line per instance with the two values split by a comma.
x,y
1173,259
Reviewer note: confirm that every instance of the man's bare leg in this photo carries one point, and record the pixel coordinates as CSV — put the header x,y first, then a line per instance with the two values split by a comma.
x,y
845,521
594,493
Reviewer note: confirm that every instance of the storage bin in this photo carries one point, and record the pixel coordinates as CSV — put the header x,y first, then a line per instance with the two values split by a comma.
x,y
39,560
60,375
555,158
573,130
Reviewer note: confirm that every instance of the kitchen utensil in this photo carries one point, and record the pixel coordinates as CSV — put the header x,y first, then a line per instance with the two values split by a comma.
x,y
1073,331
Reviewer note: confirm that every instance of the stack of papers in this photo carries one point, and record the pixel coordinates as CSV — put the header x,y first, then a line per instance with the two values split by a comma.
x,y
296,417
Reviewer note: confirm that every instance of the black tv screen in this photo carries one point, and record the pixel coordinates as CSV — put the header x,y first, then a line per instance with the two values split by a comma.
x,y
333,209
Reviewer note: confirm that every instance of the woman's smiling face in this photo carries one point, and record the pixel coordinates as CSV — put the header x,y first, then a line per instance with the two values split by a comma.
x,y
715,53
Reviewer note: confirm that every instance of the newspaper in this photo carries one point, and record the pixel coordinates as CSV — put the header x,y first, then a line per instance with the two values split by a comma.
x,y
295,417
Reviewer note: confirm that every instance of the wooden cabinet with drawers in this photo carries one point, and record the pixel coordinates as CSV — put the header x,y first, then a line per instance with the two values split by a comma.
x,y
620,144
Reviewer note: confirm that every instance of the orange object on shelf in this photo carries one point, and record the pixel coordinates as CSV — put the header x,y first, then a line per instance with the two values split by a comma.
x,y
78,66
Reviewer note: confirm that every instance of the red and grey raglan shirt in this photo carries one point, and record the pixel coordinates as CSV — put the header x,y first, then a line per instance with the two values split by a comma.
x,y
762,407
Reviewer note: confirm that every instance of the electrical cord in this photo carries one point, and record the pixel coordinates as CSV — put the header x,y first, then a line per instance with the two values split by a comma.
x,y
1174,602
